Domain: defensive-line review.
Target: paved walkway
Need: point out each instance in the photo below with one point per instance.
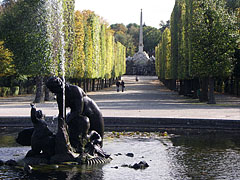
(145, 98)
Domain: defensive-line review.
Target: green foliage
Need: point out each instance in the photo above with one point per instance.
(163, 25)
(214, 33)
(68, 31)
(96, 28)
(121, 34)
(174, 28)
(88, 48)
(203, 39)
(7, 67)
(109, 53)
(5, 91)
(42, 34)
(233, 5)
(151, 38)
(119, 28)
(102, 63)
(163, 56)
(129, 37)
(15, 90)
(77, 67)
(166, 39)
(103, 57)
(24, 30)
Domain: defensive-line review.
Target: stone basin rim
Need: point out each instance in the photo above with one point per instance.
(142, 123)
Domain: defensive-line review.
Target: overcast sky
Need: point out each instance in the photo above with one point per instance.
(128, 11)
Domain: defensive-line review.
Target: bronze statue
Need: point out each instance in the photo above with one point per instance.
(79, 136)
(42, 139)
(78, 129)
(79, 103)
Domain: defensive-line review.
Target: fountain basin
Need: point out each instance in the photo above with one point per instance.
(198, 156)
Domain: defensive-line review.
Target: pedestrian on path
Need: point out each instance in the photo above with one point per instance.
(117, 84)
(123, 85)
(136, 78)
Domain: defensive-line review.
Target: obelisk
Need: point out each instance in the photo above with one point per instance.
(140, 49)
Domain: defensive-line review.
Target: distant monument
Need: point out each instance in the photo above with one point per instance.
(140, 63)
(140, 49)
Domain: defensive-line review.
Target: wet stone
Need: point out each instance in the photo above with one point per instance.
(116, 167)
(118, 154)
(130, 154)
(125, 165)
(11, 163)
(28, 169)
(140, 165)
(1, 163)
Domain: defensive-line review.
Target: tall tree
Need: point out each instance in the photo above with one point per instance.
(77, 67)
(151, 38)
(214, 33)
(24, 29)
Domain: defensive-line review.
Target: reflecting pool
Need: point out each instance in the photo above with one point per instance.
(201, 156)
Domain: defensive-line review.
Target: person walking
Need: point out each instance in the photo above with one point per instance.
(117, 84)
(123, 85)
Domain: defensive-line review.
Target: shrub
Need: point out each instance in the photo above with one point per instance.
(15, 90)
(5, 91)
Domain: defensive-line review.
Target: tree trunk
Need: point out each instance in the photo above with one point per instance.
(211, 91)
(173, 84)
(46, 90)
(87, 85)
(181, 90)
(105, 83)
(93, 84)
(39, 91)
(237, 84)
(203, 96)
(187, 87)
(84, 85)
(232, 85)
(196, 88)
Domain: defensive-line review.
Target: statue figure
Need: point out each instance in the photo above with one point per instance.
(94, 145)
(42, 139)
(78, 130)
(24, 137)
(79, 103)
(79, 136)
(92, 111)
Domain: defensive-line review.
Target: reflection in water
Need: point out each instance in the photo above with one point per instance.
(209, 156)
(67, 174)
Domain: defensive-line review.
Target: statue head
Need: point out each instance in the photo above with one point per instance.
(55, 84)
(39, 115)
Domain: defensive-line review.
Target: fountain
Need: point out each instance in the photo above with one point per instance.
(208, 156)
(79, 136)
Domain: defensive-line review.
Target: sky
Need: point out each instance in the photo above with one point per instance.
(128, 11)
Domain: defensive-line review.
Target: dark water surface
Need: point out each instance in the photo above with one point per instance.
(206, 156)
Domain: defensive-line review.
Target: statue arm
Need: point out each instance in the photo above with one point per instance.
(33, 113)
(60, 105)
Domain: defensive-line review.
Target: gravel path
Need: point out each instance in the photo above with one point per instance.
(145, 98)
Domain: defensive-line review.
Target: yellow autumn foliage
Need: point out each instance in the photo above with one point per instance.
(7, 67)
